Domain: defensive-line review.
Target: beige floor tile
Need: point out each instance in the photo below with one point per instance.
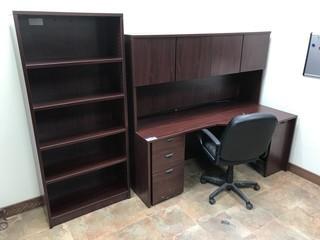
(144, 229)
(303, 222)
(195, 232)
(276, 231)
(223, 226)
(107, 220)
(280, 199)
(14, 230)
(196, 204)
(287, 207)
(245, 173)
(310, 204)
(171, 221)
(25, 224)
(251, 219)
(56, 233)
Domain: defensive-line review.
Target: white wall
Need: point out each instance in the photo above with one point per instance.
(284, 87)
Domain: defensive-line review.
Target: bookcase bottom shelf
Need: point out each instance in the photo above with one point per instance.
(80, 195)
(97, 200)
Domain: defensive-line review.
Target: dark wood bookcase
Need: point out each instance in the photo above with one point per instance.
(74, 73)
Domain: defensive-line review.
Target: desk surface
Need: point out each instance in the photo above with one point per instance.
(194, 119)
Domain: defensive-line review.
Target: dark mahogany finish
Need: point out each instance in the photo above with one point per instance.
(153, 60)
(167, 184)
(202, 57)
(222, 76)
(141, 167)
(167, 153)
(162, 98)
(279, 151)
(74, 74)
(169, 125)
(255, 51)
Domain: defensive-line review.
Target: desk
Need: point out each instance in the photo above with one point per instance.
(160, 144)
(202, 117)
(192, 75)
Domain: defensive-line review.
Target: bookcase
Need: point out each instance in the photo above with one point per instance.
(74, 74)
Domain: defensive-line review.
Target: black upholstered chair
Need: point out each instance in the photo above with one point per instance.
(245, 139)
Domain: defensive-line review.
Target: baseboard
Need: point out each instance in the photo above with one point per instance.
(38, 201)
(23, 206)
(304, 173)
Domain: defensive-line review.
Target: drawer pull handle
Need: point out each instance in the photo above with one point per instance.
(169, 155)
(169, 171)
(170, 139)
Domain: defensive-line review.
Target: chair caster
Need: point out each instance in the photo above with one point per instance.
(249, 205)
(202, 180)
(256, 187)
(212, 201)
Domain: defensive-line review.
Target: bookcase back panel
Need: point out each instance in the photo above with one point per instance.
(97, 185)
(59, 160)
(83, 119)
(74, 82)
(50, 37)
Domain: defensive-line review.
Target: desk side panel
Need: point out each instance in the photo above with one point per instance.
(140, 170)
(280, 147)
(279, 150)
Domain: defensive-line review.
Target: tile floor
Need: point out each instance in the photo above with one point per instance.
(286, 207)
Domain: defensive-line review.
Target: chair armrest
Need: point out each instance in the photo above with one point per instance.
(214, 140)
(212, 137)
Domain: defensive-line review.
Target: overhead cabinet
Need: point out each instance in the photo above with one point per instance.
(162, 59)
(202, 57)
(254, 51)
(154, 60)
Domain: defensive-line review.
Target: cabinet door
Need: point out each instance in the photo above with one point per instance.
(255, 51)
(202, 57)
(153, 60)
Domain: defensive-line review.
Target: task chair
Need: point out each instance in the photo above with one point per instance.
(245, 139)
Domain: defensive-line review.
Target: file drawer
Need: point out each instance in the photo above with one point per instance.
(167, 184)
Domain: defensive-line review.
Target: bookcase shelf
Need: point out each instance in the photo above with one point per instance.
(83, 169)
(90, 189)
(62, 63)
(74, 74)
(81, 158)
(80, 138)
(77, 101)
(75, 83)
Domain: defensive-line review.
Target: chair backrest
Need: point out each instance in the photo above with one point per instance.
(247, 137)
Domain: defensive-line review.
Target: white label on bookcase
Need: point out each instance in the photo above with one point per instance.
(35, 21)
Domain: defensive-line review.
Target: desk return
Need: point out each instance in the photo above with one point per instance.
(179, 84)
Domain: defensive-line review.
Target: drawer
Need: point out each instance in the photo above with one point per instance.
(167, 184)
(167, 153)
(172, 142)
